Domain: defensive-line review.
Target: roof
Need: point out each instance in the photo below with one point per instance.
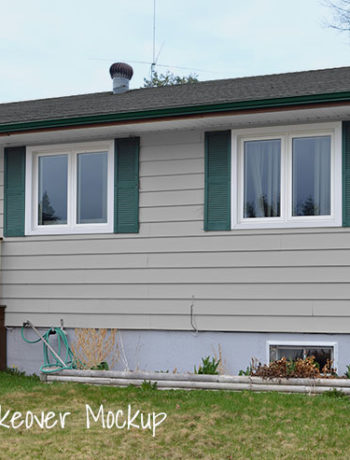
(325, 82)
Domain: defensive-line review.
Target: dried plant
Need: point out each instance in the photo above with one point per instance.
(218, 357)
(300, 368)
(93, 346)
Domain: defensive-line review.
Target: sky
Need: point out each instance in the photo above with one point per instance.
(52, 48)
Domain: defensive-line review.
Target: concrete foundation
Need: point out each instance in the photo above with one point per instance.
(182, 350)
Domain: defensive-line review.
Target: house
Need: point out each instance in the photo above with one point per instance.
(192, 218)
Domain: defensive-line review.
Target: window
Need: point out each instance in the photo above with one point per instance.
(286, 177)
(292, 352)
(69, 189)
(262, 178)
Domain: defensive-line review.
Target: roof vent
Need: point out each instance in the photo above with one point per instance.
(121, 74)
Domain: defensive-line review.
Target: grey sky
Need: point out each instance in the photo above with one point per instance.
(54, 48)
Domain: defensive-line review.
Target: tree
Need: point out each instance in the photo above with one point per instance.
(341, 14)
(46, 211)
(169, 79)
(309, 208)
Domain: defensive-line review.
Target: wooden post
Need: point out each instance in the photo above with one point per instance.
(2, 339)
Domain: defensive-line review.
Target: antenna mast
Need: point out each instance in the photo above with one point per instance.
(154, 40)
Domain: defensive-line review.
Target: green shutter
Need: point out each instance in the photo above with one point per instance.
(217, 209)
(14, 191)
(346, 174)
(126, 185)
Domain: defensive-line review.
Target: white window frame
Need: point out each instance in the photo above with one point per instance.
(305, 344)
(286, 134)
(31, 197)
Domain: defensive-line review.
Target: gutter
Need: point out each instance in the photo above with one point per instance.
(175, 112)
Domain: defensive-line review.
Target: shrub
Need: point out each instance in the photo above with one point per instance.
(248, 371)
(334, 393)
(93, 346)
(14, 371)
(347, 373)
(209, 366)
(103, 366)
(301, 368)
(147, 385)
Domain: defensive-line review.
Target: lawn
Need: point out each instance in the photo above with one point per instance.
(199, 424)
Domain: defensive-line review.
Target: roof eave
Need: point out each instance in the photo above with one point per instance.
(187, 111)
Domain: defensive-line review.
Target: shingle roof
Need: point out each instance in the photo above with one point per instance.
(312, 82)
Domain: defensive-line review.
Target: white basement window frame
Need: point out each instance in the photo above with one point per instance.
(286, 134)
(305, 345)
(71, 152)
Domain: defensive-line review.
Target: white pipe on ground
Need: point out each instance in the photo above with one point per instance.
(158, 376)
(291, 387)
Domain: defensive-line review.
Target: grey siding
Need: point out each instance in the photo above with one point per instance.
(254, 280)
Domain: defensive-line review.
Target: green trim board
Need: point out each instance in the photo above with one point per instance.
(176, 111)
(14, 191)
(126, 185)
(217, 200)
(346, 173)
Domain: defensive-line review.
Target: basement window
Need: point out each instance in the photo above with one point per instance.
(322, 353)
(69, 189)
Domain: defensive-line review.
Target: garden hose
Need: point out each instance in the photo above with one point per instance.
(52, 360)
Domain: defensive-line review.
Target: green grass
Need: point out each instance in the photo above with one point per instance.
(200, 424)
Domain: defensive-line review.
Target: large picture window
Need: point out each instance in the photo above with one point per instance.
(286, 178)
(70, 189)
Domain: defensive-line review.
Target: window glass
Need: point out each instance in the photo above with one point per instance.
(292, 353)
(322, 355)
(52, 208)
(92, 188)
(262, 178)
(311, 176)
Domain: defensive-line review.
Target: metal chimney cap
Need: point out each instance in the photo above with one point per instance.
(122, 69)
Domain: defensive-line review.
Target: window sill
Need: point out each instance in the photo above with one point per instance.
(54, 230)
(280, 223)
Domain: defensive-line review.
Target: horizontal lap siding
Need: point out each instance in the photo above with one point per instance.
(263, 280)
(181, 276)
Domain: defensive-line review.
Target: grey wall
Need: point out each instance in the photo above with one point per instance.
(178, 350)
(285, 280)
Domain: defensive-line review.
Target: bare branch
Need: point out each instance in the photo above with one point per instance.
(341, 14)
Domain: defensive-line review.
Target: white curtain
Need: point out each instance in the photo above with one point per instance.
(311, 176)
(262, 173)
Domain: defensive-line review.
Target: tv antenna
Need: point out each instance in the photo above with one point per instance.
(154, 57)
(154, 60)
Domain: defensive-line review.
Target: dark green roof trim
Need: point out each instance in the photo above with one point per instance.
(177, 111)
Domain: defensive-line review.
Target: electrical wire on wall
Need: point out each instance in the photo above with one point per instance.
(195, 330)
